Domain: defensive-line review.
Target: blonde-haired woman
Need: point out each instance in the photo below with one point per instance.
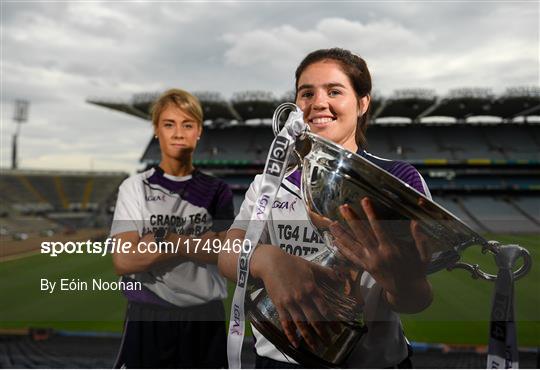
(176, 319)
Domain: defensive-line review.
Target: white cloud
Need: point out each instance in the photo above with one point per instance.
(283, 46)
(398, 56)
(58, 54)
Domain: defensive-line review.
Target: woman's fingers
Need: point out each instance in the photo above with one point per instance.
(289, 328)
(360, 227)
(374, 222)
(301, 322)
(354, 252)
(313, 310)
(292, 319)
(325, 277)
(319, 221)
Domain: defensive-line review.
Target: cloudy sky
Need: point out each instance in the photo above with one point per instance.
(57, 54)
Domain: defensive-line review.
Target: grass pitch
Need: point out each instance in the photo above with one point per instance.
(459, 314)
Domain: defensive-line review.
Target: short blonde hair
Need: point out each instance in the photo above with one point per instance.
(181, 99)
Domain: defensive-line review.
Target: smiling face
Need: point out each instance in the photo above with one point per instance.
(177, 133)
(330, 105)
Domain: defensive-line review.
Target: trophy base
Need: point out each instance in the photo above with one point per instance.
(302, 354)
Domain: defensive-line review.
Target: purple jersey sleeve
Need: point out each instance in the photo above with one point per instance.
(402, 170)
(409, 175)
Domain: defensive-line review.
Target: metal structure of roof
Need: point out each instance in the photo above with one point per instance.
(254, 104)
(413, 104)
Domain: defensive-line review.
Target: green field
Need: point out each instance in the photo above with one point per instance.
(459, 313)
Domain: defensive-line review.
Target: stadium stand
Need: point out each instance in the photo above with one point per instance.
(67, 350)
(497, 215)
(251, 143)
(57, 351)
(411, 142)
(529, 205)
(50, 188)
(28, 224)
(16, 188)
(456, 142)
(36, 201)
(479, 152)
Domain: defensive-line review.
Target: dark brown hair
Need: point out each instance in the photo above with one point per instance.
(355, 68)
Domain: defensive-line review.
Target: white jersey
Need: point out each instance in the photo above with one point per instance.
(189, 205)
(384, 344)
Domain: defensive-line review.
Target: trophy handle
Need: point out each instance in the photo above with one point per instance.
(295, 159)
(495, 248)
(527, 263)
(282, 108)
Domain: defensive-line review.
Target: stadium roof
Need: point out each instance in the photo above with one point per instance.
(405, 103)
(255, 104)
(412, 104)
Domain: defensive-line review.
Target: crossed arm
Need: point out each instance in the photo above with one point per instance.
(136, 261)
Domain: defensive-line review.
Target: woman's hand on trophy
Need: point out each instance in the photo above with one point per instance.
(320, 222)
(400, 268)
(291, 283)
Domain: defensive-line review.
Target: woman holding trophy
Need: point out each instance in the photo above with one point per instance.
(333, 89)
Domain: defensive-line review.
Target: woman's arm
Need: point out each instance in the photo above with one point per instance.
(228, 261)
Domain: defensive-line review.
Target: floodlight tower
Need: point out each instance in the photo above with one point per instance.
(20, 116)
